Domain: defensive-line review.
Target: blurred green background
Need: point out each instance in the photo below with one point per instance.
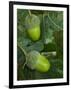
(51, 40)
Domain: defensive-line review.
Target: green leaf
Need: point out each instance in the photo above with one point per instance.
(56, 70)
(21, 14)
(38, 46)
(20, 57)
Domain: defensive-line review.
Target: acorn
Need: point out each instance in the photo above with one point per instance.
(32, 24)
(36, 61)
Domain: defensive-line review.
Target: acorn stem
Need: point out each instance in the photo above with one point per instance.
(29, 12)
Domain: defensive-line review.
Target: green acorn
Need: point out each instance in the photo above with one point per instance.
(33, 27)
(36, 61)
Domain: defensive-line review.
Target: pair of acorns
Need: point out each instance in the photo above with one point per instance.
(35, 60)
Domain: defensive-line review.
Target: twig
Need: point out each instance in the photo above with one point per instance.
(24, 64)
(49, 53)
(24, 53)
(22, 49)
(44, 33)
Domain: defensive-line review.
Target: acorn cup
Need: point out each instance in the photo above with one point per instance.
(32, 24)
(36, 61)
